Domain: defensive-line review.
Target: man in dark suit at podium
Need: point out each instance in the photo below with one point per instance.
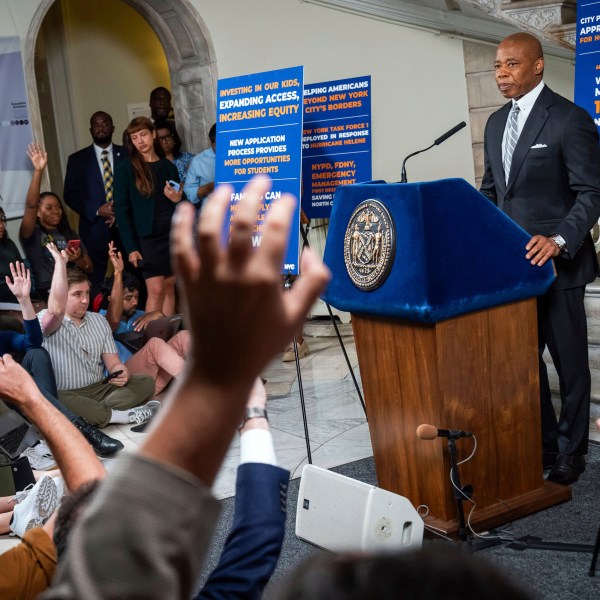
(88, 191)
(542, 168)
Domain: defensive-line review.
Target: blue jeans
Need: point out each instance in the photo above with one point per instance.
(38, 364)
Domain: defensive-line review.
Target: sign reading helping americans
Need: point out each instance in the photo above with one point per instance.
(336, 145)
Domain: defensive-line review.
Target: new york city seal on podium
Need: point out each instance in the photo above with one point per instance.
(369, 245)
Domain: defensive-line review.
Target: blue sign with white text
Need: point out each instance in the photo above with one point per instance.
(259, 130)
(336, 146)
(587, 58)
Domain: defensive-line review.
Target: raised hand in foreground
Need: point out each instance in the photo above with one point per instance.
(230, 293)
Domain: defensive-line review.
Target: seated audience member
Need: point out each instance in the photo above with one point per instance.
(44, 221)
(415, 575)
(81, 347)
(37, 361)
(157, 358)
(27, 569)
(251, 550)
(9, 253)
(225, 292)
(171, 143)
(200, 179)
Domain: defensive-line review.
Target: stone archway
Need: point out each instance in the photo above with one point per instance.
(190, 56)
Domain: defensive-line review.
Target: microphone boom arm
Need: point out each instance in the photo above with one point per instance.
(403, 178)
(437, 142)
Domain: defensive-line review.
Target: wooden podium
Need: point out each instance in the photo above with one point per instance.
(473, 369)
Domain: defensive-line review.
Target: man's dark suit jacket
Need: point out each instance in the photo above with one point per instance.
(253, 546)
(84, 193)
(554, 182)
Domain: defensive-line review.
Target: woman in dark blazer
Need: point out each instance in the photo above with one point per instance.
(144, 205)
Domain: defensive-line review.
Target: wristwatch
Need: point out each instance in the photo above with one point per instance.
(560, 241)
(253, 412)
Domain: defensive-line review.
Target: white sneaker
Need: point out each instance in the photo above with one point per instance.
(40, 457)
(20, 496)
(36, 508)
(144, 413)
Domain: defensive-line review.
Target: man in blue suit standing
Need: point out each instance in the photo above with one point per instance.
(89, 191)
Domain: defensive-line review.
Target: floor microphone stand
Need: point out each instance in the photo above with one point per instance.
(460, 494)
(458, 491)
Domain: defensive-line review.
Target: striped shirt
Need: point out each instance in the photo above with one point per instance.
(76, 351)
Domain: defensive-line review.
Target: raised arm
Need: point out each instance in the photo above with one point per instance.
(39, 160)
(57, 300)
(237, 287)
(20, 286)
(115, 303)
(226, 291)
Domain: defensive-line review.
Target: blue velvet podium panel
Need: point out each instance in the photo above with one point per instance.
(455, 253)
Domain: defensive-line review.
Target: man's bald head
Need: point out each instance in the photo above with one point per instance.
(519, 65)
(529, 43)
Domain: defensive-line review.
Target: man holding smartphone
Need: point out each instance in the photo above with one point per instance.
(81, 347)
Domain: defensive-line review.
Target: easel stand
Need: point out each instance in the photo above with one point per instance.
(306, 244)
(287, 284)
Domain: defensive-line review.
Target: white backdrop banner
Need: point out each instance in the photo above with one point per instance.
(15, 129)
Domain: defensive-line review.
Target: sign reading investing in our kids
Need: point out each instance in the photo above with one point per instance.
(259, 130)
(336, 147)
(587, 58)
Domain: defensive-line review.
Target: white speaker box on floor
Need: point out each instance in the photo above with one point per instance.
(341, 514)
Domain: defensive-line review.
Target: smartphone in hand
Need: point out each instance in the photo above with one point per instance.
(112, 376)
(176, 186)
(73, 245)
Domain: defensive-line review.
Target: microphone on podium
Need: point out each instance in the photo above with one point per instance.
(430, 432)
(449, 133)
(437, 142)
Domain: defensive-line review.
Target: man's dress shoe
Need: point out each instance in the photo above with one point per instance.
(567, 469)
(103, 445)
